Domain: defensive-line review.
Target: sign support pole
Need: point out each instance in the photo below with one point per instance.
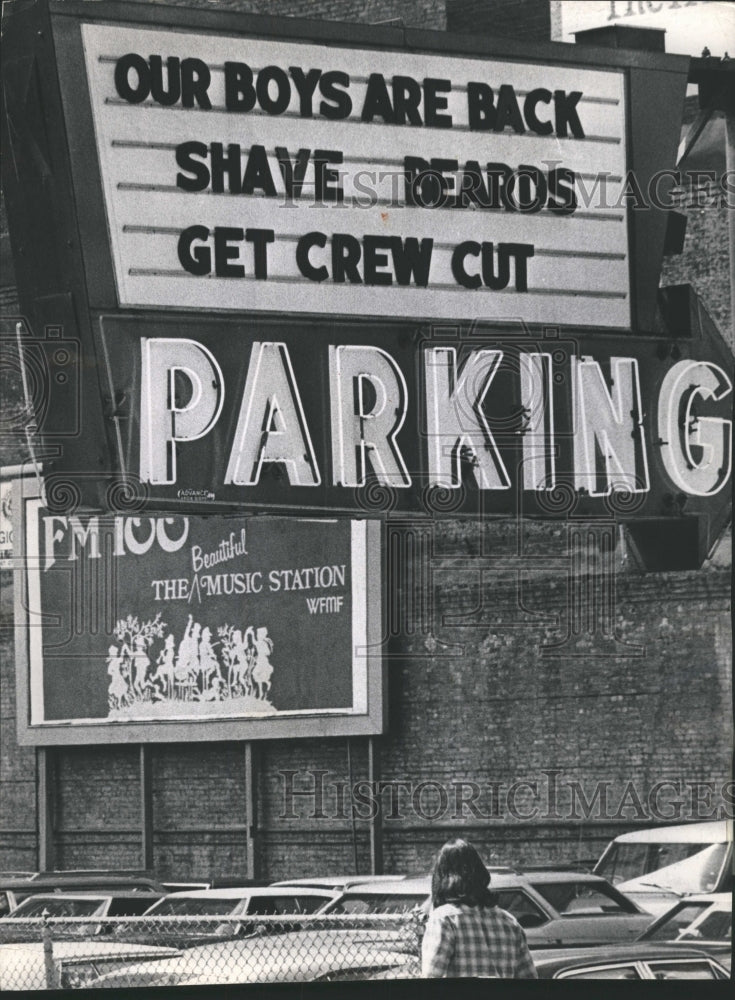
(376, 823)
(251, 806)
(146, 808)
(46, 845)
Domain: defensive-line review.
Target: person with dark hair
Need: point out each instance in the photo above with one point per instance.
(467, 933)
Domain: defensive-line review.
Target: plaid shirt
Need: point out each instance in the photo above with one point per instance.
(463, 940)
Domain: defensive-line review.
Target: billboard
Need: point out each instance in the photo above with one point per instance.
(261, 175)
(166, 628)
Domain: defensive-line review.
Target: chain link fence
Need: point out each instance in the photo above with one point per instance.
(130, 952)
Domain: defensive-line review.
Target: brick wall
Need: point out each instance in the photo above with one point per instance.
(413, 13)
(705, 259)
(18, 842)
(528, 19)
(503, 712)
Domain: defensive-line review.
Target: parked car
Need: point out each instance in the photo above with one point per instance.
(703, 920)
(183, 919)
(553, 907)
(19, 925)
(630, 961)
(655, 867)
(13, 891)
(338, 955)
(74, 963)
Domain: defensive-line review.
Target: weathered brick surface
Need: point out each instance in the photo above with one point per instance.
(528, 19)
(708, 270)
(99, 784)
(18, 847)
(413, 13)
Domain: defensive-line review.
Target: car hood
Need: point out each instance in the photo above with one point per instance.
(292, 957)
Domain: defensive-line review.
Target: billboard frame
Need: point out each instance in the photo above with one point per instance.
(316, 725)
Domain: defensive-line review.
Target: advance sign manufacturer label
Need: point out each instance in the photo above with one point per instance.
(250, 175)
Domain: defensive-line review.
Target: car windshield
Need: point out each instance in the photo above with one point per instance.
(195, 906)
(377, 903)
(576, 898)
(676, 921)
(59, 907)
(682, 867)
(526, 910)
(274, 905)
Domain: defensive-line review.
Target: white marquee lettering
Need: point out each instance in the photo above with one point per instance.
(163, 422)
(613, 423)
(183, 391)
(271, 426)
(365, 429)
(539, 468)
(704, 472)
(456, 425)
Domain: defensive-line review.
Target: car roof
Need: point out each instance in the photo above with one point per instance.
(232, 892)
(709, 900)
(73, 873)
(148, 898)
(714, 832)
(186, 886)
(408, 886)
(54, 896)
(547, 877)
(48, 882)
(633, 951)
(339, 881)
(416, 885)
(724, 898)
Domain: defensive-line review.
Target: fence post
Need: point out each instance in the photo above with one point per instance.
(48, 954)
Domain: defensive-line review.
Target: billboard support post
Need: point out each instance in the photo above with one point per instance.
(251, 808)
(146, 808)
(376, 821)
(46, 782)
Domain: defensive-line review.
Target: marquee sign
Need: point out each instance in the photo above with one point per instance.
(250, 174)
(453, 420)
(162, 628)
